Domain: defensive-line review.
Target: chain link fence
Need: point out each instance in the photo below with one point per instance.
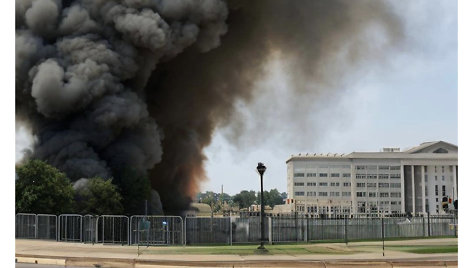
(173, 230)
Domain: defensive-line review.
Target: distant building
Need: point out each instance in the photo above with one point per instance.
(198, 209)
(373, 183)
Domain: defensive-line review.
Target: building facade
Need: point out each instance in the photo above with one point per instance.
(374, 183)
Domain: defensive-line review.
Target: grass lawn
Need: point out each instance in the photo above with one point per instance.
(426, 249)
(249, 249)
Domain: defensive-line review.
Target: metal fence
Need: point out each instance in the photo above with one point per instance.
(173, 230)
(156, 230)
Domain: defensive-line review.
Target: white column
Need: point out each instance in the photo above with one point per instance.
(413, 197)
(454, 181)
(423, 196)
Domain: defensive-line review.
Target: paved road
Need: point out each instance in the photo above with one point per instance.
(29, 265)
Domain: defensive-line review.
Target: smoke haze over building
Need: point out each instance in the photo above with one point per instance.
(104, 85)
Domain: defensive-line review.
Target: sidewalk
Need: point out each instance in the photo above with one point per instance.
(366, 254)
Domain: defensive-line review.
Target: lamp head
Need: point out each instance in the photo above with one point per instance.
(261, 168)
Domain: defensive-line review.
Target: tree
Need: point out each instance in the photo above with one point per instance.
(135, 188)
(41, 188)
(245, 199)
(99, 197)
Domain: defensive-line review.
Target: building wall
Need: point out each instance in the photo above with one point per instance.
(339, 186)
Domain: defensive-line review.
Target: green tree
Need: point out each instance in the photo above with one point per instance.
(135, 188)
(41, 188)
(99, 197)
(245, 198)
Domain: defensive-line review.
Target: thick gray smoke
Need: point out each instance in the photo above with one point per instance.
(144, 83)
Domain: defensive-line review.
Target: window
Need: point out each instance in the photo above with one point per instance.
(360, 176)
(322, 193)
(444, 190)
(426, 191)
(311, 184)
(425, 168)
(360, 184)
(360, 167)
(371, 176)
(346, 175)
(393, 202)
(347, 184)
(360, 194)
(395, 168)
(299, 184)
(299, 193)
(323, 184)
(372, 185)
(435, 169)
(298, 175)
(442, 169)
(436, 191)
(346, 193)
(436, 178)
(384, 167)
(383, 185)
(442, 178)
(396, 194)
(372, 194)
(383, 176)
(334, 184)
(334, 194)
(372, 167)
(323, 175)
(425, 178)
(310, 193)
(395, 185)
(383, 194)
(311, 174)
(335, 175)
(395, 176)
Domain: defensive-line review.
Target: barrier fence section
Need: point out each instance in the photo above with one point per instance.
(70, 227)
(156, 230)
(113, 229)
(47, 226)
(208, 230)
(25, 225)
(173, 230)
(90, 229)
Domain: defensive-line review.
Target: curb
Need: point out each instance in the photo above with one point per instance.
(135, 263)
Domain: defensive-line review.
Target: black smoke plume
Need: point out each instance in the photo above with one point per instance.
(144, 83)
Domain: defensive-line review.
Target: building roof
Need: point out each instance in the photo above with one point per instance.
(426, 150)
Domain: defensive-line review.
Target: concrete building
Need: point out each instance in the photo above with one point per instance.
(374, 183)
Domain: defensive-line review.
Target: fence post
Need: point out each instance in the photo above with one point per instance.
(231, 231)
(429, 226)
(306, 229)
(270, 230)
(36, 226)
(345, 230)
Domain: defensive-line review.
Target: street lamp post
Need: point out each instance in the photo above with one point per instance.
(261, 169)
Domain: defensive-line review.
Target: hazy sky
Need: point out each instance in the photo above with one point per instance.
(402, 101)
(406, 98)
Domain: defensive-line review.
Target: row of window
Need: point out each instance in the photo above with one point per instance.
(344, 184)
(310, 193)
(322, 175)
(348, 194)
(436, 169)
(348, 184)
(374, 194)
(380, 176)
(379, 167)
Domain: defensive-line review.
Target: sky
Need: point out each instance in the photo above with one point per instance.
(406, 99)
